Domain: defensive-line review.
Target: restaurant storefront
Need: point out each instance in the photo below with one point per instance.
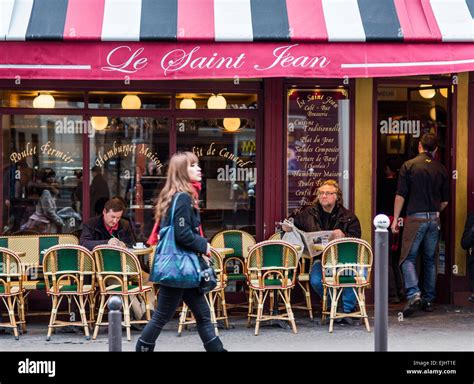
(273, 103)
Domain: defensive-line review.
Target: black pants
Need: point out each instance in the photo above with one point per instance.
(168, 301)
(470, 269)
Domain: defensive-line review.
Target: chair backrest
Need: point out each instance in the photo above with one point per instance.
(238, 240)
(116, 266)
(10, 271)
(218, 264)
(34, 246)
(272, 260)
(276, 236)
(347, 258)
(68, 267)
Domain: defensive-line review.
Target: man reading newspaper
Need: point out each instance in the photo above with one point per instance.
(328, 214)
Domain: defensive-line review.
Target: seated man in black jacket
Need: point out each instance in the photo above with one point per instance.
(108, 228)
(328, 214)
(467, 243)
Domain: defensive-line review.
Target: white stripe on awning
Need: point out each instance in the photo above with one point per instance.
(121, 20)
(233, 20)
(6, 9)
(454, 20)
(19, 20)
(343, 21)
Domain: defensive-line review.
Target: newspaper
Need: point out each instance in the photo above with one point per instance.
(310, 238)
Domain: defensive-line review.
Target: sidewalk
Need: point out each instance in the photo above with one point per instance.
(446, 329)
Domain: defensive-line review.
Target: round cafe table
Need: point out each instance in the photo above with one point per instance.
(225, 251)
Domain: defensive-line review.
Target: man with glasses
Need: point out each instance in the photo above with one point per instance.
(328, 214)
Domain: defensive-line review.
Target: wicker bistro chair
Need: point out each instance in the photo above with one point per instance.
(271, 266)
(235, 263)
(305, 263)
(34, 247)
(119, 273)
(346, 264)
(69, 272)
(215, 299)
(11, 290)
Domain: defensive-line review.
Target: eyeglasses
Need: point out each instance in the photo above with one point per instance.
(324, 193)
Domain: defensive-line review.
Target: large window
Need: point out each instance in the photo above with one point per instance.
(50, 185)
(42, 175)
(318, 127)
(128, 159)
(227, 152)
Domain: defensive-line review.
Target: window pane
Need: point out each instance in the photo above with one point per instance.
(137, 100)
(131, 156)
(318, 143)
(26, 99)
(216, 101)
(227, 159)
(42, 178)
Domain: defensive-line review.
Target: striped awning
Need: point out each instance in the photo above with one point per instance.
(238, 20)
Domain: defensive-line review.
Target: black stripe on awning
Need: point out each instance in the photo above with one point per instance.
(470, 5)
(159, 20)
(47, 20)
(270, 20)
(380, 20)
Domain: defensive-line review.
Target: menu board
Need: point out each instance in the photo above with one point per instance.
(318, 138)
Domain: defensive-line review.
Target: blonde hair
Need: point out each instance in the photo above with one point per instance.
(334, 184)
(177, 181)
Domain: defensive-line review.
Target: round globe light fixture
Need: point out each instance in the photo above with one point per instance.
(187, 103)
(217, 102)
(44, 101)
(131, 102)
(231, 124)
(433, 113)
(444, 92)
(427, 93)
(99, 122)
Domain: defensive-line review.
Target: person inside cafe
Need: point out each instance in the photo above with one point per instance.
(327, 213)
(98, 191)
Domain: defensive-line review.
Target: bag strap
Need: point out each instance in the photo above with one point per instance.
(175, 199)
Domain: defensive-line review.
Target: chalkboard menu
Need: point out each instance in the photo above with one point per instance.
(318, 142)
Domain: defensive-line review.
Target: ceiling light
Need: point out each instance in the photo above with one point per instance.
(427, 93)
(231, 124)
(187, 104)
(217, 102)
(131, 102)
(99, 122)
(44, 101)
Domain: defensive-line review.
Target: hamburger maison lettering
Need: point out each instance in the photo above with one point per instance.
(125, 150)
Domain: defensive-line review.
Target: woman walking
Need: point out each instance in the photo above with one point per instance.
(184, 175)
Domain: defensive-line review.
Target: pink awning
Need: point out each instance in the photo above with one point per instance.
(156, 61)
(190, 39)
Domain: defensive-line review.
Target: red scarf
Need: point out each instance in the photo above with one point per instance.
(197, 188)
(111, 229)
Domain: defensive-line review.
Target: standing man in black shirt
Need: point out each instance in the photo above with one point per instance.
(423, 182)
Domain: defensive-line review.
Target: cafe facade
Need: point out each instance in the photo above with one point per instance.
(274, 97)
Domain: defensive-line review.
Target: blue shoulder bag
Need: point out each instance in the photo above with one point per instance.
(174, 266)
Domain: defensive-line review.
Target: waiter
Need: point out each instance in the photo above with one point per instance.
(423, 183)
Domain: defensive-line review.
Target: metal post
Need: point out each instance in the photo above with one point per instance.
(381, 223)
(115, 324)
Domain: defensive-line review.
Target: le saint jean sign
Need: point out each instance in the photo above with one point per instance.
(90, 60)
